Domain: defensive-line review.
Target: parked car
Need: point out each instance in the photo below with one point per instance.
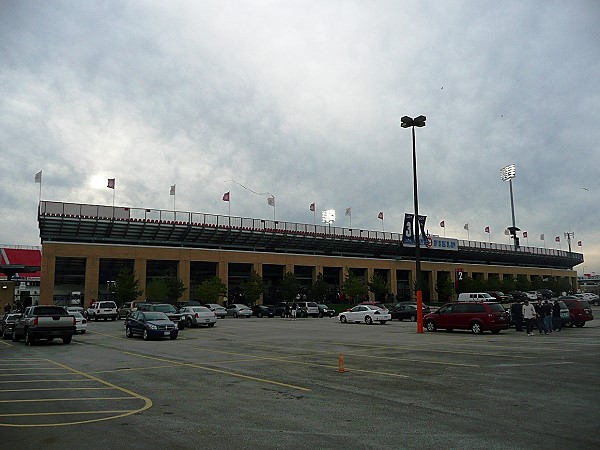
(475, 316)
(475, 297)
(78, 309)
(534, 295)
(590, 297)
(325, 310)
(80, 322)
(102, 310)
(219, 310)
(7, 324)
(198, 315)
(365, 313)
(500, 296)
(408, 311)
(166, 308)
(279, 309)
(579, 309)
(546, 293)
(306, 309)
(150, 324)
(379, 305)
(565, 314)
(44, 322)
(519, 295)
(238, 310)
(262, 311)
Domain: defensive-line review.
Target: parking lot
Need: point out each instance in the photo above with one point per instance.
(276, 383)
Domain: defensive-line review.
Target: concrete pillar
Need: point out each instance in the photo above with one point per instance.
(223, 274)
(393, 281)
(183, 272)
(92, 274)
(139, 273)
(47, 277)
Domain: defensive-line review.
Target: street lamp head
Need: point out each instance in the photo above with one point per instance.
(508, 172)
(406, 121)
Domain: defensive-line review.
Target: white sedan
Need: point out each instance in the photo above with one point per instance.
(80, 322)
(365, 313)
(198, 315)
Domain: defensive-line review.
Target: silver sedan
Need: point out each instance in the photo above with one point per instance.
(195, 316)
(239, 310)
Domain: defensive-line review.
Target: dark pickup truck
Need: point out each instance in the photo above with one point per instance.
(44, 322)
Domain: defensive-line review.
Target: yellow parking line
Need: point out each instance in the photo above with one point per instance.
(133, 369)
(225, 372)
(65, 413)
(58, 389)
(389, 374)
(75, 399)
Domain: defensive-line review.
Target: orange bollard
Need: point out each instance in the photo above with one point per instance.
(341, 364)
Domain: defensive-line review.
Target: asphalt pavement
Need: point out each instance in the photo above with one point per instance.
(274, 383)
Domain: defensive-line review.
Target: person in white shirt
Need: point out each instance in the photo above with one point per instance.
(529, 315)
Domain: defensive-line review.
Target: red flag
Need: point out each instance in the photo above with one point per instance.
(557, 238)
(442, 224)
(579, 244)
(111, 183)
(226, 197)
(380, 215)
(487, 229)
(312, 207)
(524, 234)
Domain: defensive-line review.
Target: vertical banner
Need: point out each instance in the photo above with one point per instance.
(422, 220)
(408, 235)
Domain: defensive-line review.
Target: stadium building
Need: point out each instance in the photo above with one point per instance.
(84, 247)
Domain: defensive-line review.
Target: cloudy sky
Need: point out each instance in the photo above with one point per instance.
(302, 99)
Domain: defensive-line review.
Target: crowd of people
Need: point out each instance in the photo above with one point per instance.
(543, 314)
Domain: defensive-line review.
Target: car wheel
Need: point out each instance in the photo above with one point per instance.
(282, 315)
(382, 322)
(128, 332)
(14, 336)
(83, 331)
(430, 325)
(96, 318)
(413, 318)
(495, 331)
(259, 315)
(5, 336)
(476, 328)
(145, 335)
(449, 330)
(210, 325)
(189, 322)
(235, 314)
(173, 337)
(343, 319)
(67, 339)
(579, 324)
(29, 339)
(368, 320)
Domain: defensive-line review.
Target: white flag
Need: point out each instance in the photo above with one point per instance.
(38, 177)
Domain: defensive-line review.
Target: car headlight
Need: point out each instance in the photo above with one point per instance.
(152, 326)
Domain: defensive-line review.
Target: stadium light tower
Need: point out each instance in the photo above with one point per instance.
(508, 173)
(406, 122)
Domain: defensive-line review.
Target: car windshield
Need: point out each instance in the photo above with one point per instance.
(497, 307)
(165, 308)
(201, 309)
(155, 315)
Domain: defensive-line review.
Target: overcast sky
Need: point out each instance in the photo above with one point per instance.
(302, 99)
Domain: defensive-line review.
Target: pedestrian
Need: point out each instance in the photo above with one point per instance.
(556, 319)
(294, 308)
(288, 311)
(7, 308)
(516, 312)
(540, 316)
(529, 315)
(547, 308)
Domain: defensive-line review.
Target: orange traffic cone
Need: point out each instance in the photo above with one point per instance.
(341, 364)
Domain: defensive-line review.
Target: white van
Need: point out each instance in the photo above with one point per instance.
(475, 297)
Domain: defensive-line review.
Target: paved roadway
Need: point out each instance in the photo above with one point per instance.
(275, 383)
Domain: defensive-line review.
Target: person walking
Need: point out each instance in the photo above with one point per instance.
(529, 315)
(294, 308)
(556, 319)
(516, 312)
(540, 316)
(547, 308)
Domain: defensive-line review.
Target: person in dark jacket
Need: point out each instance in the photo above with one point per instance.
(539, 310)
(556, 319)
(516, 312)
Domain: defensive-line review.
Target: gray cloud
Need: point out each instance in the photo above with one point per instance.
(303, 99)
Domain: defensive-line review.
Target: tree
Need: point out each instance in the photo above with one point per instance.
(157, 290)
(255, 287)
(354, 286)
(378, 286)
(127, 287)
(444, 287)
(290, 286)
(211, 290)
(175, 289)
(318, 291)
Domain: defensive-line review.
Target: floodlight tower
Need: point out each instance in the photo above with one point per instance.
(508, 173)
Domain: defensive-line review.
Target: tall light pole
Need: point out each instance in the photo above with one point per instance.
(406, 122)
(508, 173)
